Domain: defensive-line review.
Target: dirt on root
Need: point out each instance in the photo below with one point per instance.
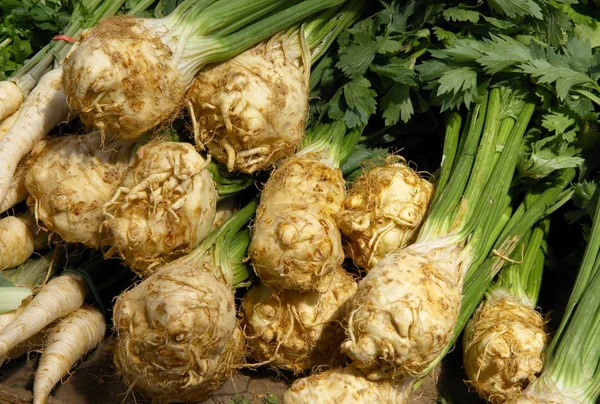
(95, 382)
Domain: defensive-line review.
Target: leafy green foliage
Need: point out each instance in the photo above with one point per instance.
(556, 149)
(26, 26)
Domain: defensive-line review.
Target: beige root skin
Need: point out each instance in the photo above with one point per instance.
(504, 345)
(383, 211)
(296, 243)
(347, 385)
(251, 109)
(164, 206)
(404, 312)
(66, 343)
(294, 330)
(7, 123)
(59, 297)
(121, 78)
(71, 180)
(17, 242)
(11, 98)
(177, 335)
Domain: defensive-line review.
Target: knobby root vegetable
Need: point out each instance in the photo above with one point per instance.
(251, 109)
(19, 237)
(131, 85)
(58, 298)
(180, 342)
(181, 309)
(66, 343)
(296, 243)
(347, 385)
(42, 110)
(298, 330)
(11, 98)
(72, 179)
(164, 206)
(504, 345)
(404, 311)
(383, 211)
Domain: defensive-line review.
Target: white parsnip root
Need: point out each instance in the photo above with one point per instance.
(44, 108)
(58, 298)
(66, 343)
(19, 237)
(11, 98)
(347, 385)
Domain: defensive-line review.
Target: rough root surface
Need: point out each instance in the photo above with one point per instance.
(298, 330)
(404, 313)
(251, 110)
(504, 345)
(178, 338)
(70, 181)
(347, 385)
(296, 243)
(164, 206)
(122, 78)
(383, 211)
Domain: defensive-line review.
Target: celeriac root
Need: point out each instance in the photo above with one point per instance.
(296, 243)
(347, 385)
(504, 344)
(252, 108)
(70, 180)
(298, 330)
(383, 211)
(404, 312)
(19, 237)
(164, 206)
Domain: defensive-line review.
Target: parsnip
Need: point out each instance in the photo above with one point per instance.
(58, 298)
(42, 110)
(67, 342)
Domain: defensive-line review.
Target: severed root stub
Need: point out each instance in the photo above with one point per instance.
(165, 205)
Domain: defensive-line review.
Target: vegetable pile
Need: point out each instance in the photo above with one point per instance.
(340, 190)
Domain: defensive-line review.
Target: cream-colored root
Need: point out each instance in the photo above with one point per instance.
(44, 108)
(11, 98)
(58, 298)
(347, 385)
(66, 343)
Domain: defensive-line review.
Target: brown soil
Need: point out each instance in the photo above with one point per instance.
(94, 381)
